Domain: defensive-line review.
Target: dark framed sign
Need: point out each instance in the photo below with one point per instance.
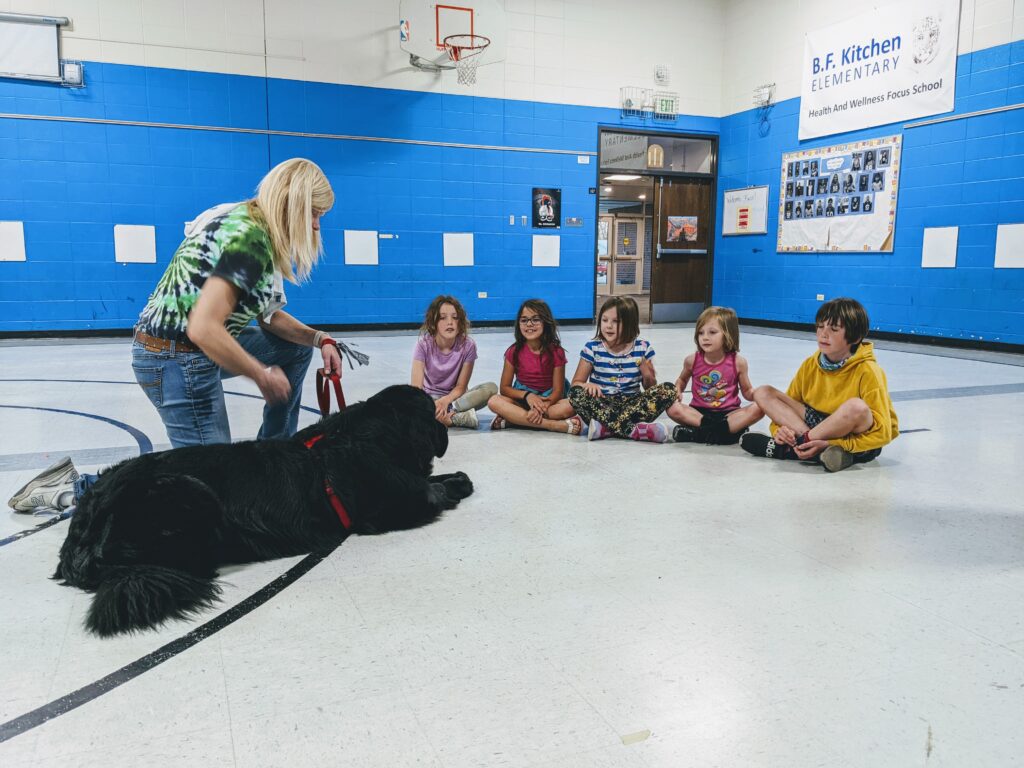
(547, 208)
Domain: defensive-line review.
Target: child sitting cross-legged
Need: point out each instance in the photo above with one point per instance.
(442, 364)
(532, 393)
(718, 374)
(837, 409)
(614, 365)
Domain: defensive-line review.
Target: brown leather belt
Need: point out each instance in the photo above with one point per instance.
(156, 344)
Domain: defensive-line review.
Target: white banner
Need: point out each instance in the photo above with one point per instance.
(840, 198)
(895, 63)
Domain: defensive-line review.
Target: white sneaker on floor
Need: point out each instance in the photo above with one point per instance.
(465, 419)
(45, 489)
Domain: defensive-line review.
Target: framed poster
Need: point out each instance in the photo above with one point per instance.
(840, 198)
(547, 208)
(745, 211)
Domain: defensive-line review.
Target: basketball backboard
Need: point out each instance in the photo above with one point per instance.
(424, 24)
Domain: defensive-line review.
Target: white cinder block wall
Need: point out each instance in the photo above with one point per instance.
(560, 51)
(764, 39)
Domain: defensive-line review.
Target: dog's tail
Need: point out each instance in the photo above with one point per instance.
(144, 596)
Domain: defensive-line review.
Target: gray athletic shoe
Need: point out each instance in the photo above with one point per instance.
(45, 489)
(465, 419)
(836, 459)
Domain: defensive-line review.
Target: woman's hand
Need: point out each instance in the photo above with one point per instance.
(332, 359)
(273, 385)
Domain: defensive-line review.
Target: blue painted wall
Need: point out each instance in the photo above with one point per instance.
(70, 183)
(967, 173)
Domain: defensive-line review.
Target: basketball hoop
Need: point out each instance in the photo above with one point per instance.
(463, 50)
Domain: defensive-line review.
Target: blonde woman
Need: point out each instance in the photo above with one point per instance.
(228, 271)
(196, 330)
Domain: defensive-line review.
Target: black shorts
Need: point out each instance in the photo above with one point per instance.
(714, 414)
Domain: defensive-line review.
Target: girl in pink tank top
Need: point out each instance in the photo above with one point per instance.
(718, 374)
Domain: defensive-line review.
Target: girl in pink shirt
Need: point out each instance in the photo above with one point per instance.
(718, 374)
(532, 391)
(442, 364)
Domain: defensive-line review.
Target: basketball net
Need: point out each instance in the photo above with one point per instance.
(463, 51)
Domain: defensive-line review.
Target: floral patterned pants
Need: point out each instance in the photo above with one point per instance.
(621, 412)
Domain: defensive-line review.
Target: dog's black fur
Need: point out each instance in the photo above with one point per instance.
(149, 536)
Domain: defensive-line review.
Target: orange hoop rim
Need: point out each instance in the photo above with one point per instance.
(458, 51)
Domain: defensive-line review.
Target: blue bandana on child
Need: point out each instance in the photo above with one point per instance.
(828, 365)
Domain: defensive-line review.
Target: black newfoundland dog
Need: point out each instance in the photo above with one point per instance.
(149, 536)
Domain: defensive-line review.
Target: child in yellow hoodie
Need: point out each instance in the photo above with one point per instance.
(837, 408)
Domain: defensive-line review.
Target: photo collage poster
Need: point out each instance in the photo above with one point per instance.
(840, 198)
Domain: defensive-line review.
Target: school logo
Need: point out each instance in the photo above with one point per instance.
(926, 39)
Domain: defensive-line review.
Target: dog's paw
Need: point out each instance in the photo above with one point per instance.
(459, 486)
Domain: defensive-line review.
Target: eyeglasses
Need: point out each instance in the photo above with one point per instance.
(530, 321)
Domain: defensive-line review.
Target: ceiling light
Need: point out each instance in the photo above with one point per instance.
(621, 177)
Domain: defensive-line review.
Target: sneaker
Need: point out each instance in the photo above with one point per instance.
(762, 445)
(598, 431)
(651, 431)
(47, 488)
(465, 419)
(836, 459)
(684, 434)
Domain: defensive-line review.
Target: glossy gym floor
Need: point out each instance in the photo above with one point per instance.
(593, 605)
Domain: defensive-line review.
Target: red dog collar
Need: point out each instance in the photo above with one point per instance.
(332, 497)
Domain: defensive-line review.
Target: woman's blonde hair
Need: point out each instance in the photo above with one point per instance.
(284, 202)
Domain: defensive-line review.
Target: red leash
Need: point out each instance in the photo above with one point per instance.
(323, 396)
(323, 392)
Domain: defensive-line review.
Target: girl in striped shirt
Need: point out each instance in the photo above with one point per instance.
(615, 387)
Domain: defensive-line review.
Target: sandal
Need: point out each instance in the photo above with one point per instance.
(574, 426)
(498, 423)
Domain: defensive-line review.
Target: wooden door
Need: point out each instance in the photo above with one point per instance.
(681, 275)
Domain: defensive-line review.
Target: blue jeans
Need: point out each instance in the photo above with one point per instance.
(187, 391)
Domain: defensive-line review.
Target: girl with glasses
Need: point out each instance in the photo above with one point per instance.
(615, 387)
(532, 391)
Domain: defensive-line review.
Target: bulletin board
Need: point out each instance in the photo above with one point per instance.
(840, 198)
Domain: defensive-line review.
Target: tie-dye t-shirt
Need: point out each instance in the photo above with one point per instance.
(232, 246)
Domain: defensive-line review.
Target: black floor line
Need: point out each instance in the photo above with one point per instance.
(141, 439)
(36, 529)
(84, 695)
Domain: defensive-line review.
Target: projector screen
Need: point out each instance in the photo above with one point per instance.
(29, 50)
